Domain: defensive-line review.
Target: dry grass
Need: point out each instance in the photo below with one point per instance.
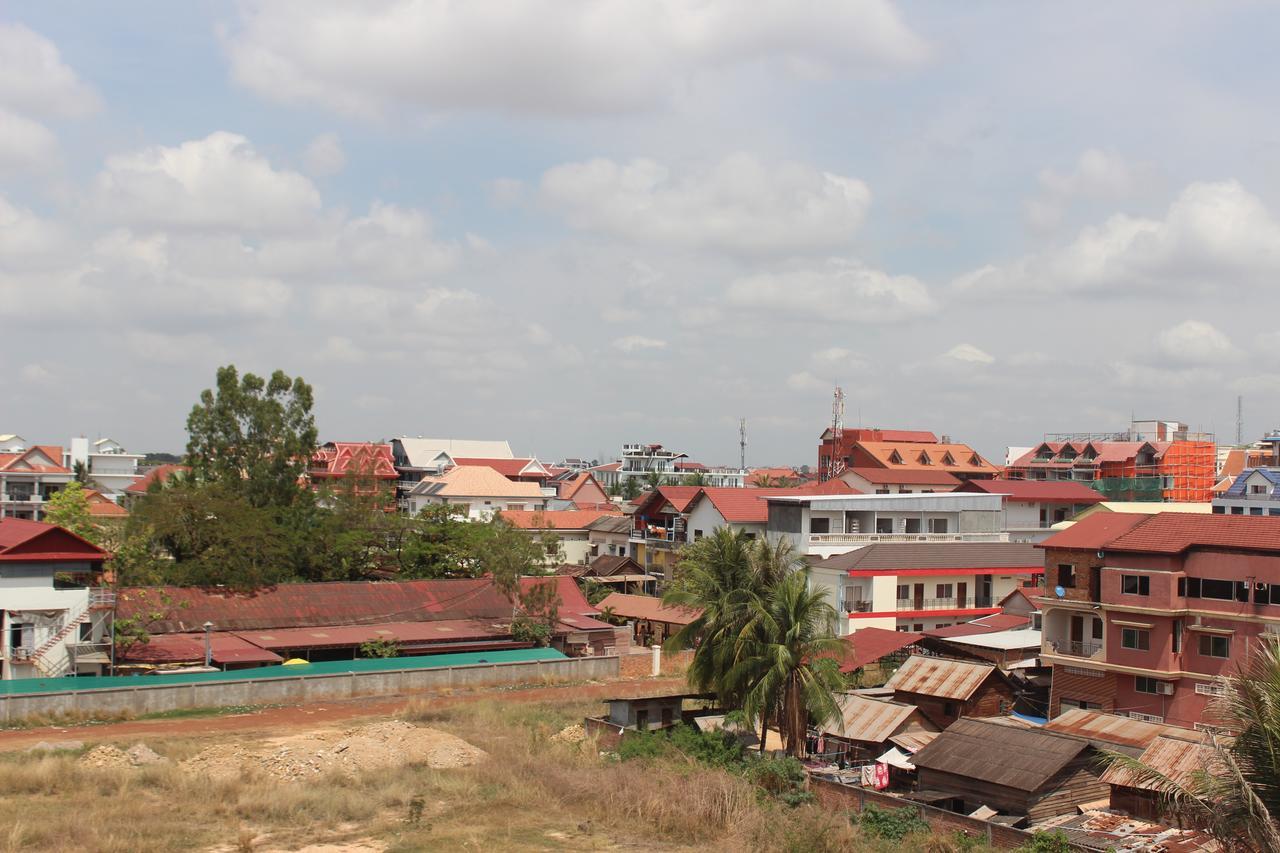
(533, 794)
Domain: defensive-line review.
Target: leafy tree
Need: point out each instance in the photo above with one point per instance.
(253, 436)
(1236, 793)
(69, 508)
(697, 478)
(132, 631)
(630, 489)
(652, 480)
(379, 649)
(595, 591)
(81, 472)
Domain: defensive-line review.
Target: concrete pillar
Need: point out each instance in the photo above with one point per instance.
(657, 660)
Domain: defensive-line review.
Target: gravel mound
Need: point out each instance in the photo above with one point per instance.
(570, 734)
(104, 757)
(140, 754)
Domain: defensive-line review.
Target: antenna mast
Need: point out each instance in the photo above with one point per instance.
(742, 444)
(835, 465)
(1240, 419)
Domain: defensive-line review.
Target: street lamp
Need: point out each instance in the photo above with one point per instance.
(208, 652)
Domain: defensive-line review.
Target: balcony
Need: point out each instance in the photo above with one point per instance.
(101, 598)
(847, 607)
(953, 603)
(870, 538)
(21, 498)
(1076, 648)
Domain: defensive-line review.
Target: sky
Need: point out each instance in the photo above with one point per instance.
(575, 224)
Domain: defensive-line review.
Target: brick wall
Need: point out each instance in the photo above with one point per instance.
(837, 797)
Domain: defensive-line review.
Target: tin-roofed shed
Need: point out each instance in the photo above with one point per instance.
(945, 690)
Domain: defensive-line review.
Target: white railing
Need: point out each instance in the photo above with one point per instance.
(1076, 648)
(862, 538)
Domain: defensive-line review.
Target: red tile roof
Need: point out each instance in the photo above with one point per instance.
(986, 625)
(27, 460)
(337, 458)
(161, 473)
(1092, 532)
(648, 608)
(868, 645)
(101, 506)
(678, 496)
(561, 519)
(966, 459)
(747, 506)
(1175, 532)
(907, 477)
(189, 648)
(36, 541)
(1036, 491)
(506, 467)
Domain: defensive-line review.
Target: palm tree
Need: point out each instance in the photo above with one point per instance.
(653, 480)
(1236, 793)
(789, 665)
(697, 478)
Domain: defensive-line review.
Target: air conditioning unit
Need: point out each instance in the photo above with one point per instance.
(1164, 688)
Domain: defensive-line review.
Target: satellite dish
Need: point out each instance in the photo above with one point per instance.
(1059, 591)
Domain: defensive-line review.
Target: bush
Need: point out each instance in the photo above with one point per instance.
(891, 824)
(643, 745)
(784, 778)
(1047, 842)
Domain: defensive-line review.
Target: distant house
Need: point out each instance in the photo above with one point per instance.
(895, 481)
(868, 727)
(526, 470)
(102, 507)
(900, 450)
(482, 491)
(946, 690)
(1255, 491)
(653, 622)
(610, 535)
(367, 465)
(158, 476)
(419, 457)
(1032, 507)
(571, 529)
(746, 510)
(1176, 758)
(29, 476)
(583, 491)
(660, 526)
(1014, 771)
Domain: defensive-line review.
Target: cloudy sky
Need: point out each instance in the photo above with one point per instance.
(574, 224)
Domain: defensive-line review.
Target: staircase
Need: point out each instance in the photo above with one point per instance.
(55, 668)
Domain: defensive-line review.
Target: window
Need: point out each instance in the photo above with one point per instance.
(1219, 510)
(903, 628)
(1218, 590)
(884, 525)
(1096, 632)
(944, 590)
(1066, 575)
(1135, 585)
(1136, 639)
(819, 525)
(1177, 636)
(904, 591)
(697, 533)
(882, 491)
(1143, 684)
(1266, 593)
(1255, 510)
(1214, 646)
(1237, 510)
(949, 709)
(913, 525)
(1258, 488)
(918, 627)
(937, 525)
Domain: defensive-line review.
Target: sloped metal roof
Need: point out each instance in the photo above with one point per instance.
(946, 679)
(1022, 759)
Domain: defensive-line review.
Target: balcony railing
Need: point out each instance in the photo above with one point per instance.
(22, 653)
(101, 597)
(953, 603)
(1075, 648)
(855, 606)
(863, 538)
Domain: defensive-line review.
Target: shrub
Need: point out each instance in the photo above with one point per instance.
(1047, 842)
(891, 824)
(782, 777)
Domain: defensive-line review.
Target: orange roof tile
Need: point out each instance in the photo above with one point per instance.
(1175, 532)
(646, 607)
(910, 454)
(1092, 532)
(560, 519)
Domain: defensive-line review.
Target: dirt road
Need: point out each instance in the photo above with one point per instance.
(309, 716)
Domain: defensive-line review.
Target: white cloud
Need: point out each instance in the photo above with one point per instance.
(805, 381)
(840, 292)
(35, 81)
(545, 56)
(738, 205)
(35, 373)
(968, 354)
(1097, 175)
(220, 183)
(1213, 234)
(24, 144)
(324, 156)
(1195, 342)
(633, 343)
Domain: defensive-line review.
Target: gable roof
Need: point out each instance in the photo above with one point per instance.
(560, 519)
(612, 523)
(747, 506)
(568, 488)
(1172, 757)
(1238, 486)
(646, 607)
(475, 482)
(930, 476)
(527, 467)
(1114, 728)
(935, 555)
(336, 459)
(872, 720)
(868, 645)
(160, 473)
(940, 677)
(607, 565)
(680, 497)
(1175, 532)
(1092, 532)
(35, 541)
(1027, 758)
(1036, 491)
(967, 460)
(101, 506)
(40, 458)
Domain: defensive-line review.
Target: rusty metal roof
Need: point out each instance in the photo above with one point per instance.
(1022, 759)
(946, 679)
(1175, 758)
(914, 741)
(870, 720)
(1114, 728)
(305, 605)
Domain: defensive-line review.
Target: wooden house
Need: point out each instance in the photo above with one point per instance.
(945, 690)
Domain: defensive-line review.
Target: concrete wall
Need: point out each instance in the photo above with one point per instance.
(149, 699)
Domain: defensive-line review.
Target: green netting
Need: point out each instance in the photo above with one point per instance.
(1130, 488)
(94, 682)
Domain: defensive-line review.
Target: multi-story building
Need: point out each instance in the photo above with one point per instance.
(55, 617)
(371, 465)
(1142, 613)
(29, 476)
(660, 527)
(825, 525)
(1256, 491)
(899, 450)
(105, 462)
(1151, 461)
(923, 586)
(1032, 507)
(641, 462)
(478, 491)
(420, 457)
(899, 481)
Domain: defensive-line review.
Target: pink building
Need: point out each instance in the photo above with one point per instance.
(1143, 612)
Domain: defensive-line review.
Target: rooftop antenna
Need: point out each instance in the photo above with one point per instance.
(835, 466)
(1240, 419)
(742, 444)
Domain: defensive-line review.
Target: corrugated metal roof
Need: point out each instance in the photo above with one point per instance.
(947, 679)
(1022, 759)
(870, 720)
(914, 741)
(185, 648)
(868, 645)
(936, 555)
(647, 607)
(1113, 728)
(1175, 758)
(445, 630)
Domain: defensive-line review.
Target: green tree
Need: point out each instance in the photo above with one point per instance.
(69, 508)
(253, 436)
(379, 649)
(697, 478)
(630, 489)
(789, 663)
(652, 480)
(1235, 794)
(438, 542)
(80, 472)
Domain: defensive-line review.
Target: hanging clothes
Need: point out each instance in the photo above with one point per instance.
(868, 776)
(881, 776)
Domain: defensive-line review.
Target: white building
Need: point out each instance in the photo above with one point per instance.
(825, 525)
(109, 466)
(54, 620)
(29, 476)
(483, 491)
(416, 458)
(640, 461)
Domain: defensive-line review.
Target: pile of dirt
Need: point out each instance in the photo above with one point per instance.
(570, 734)
(140, 754)
(105, 757)
(314, 753)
